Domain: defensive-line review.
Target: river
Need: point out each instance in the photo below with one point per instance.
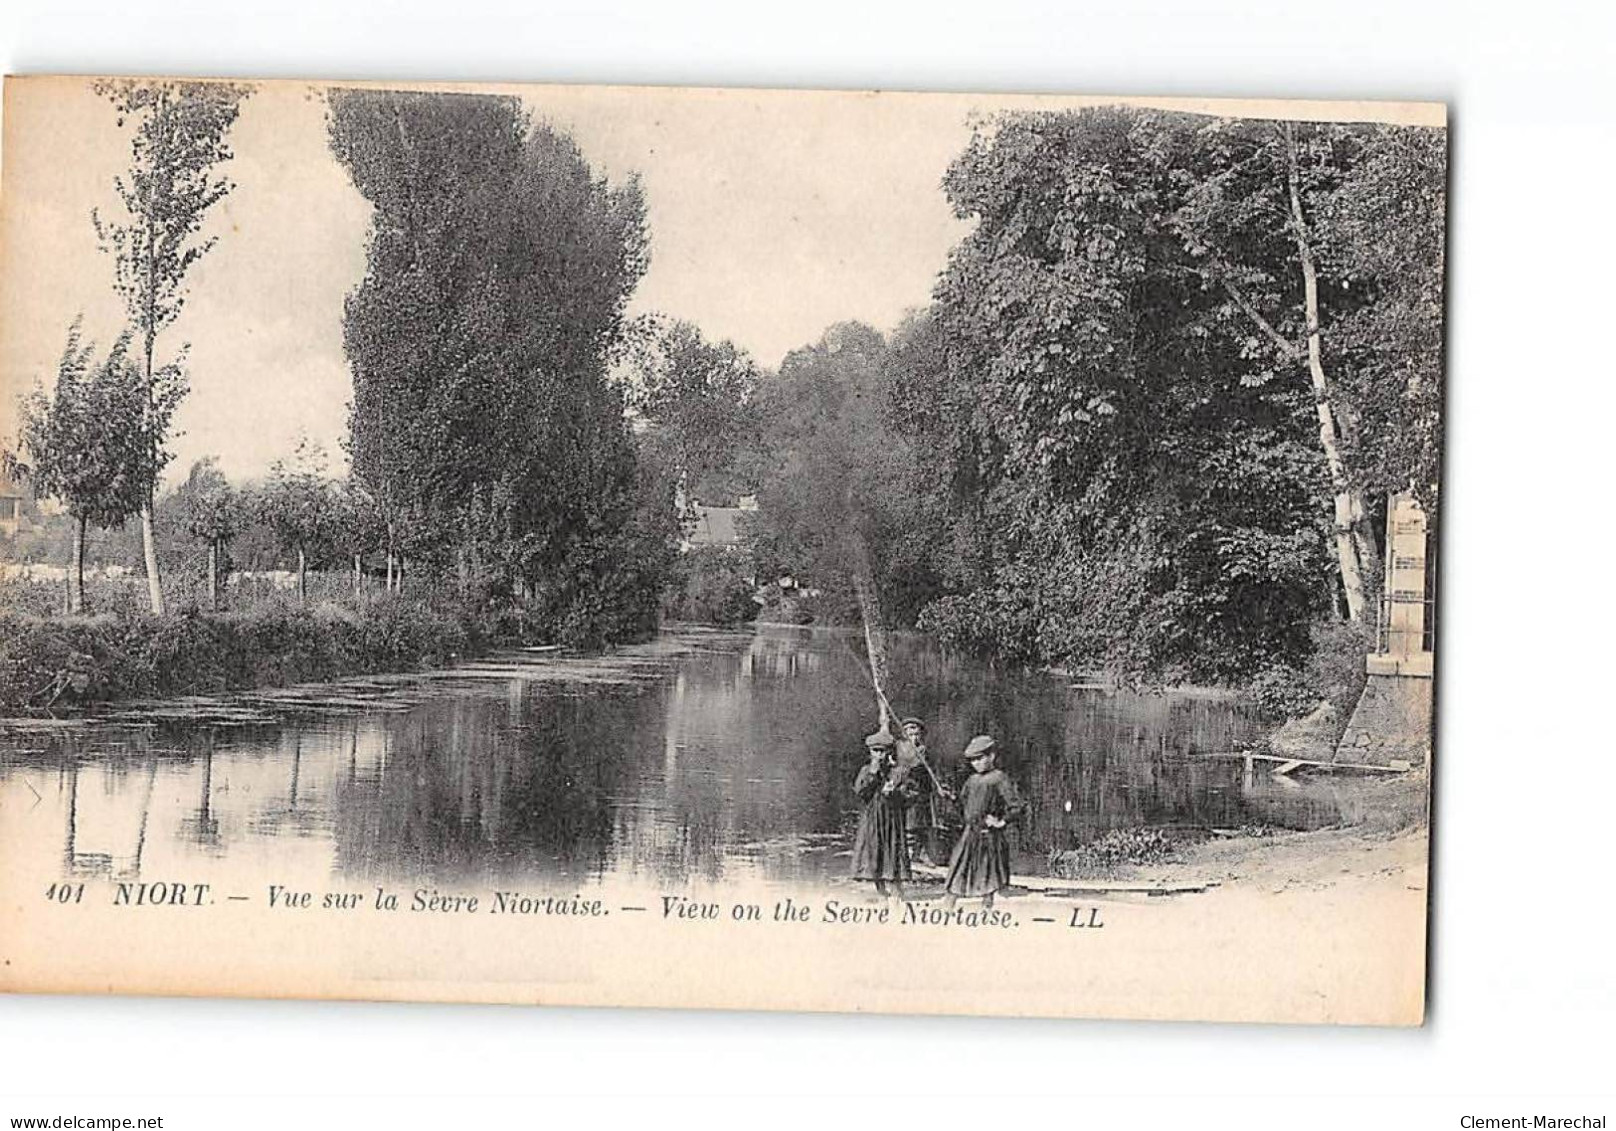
(701, 756)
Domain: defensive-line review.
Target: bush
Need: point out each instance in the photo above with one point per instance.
(995, 624)
(1334, 671)
(781, 609)
(1280, 691)
(36, 598)
(713, 586)
(1117, 849)
(55, 662)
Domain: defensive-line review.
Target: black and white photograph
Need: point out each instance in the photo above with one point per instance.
(727, 565)
(967, 547)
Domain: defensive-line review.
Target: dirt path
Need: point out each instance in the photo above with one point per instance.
(1303, 860)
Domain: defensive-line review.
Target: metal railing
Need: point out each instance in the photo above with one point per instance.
(1404, 638)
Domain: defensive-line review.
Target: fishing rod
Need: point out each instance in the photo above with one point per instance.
(893, 713)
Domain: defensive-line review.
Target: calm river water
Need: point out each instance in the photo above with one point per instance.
(700, 756)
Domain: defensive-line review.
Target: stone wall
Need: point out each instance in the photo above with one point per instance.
(1391, 724)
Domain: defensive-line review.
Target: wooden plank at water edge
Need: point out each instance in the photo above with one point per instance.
(1399, 766)
(1087, 887)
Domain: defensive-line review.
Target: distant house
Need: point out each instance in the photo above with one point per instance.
(718, 526)
(13, 507)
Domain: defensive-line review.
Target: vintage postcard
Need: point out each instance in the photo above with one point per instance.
(742, 549)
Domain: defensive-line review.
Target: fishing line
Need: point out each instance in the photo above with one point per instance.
(892, 713)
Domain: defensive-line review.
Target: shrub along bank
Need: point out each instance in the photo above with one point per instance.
(58, 663)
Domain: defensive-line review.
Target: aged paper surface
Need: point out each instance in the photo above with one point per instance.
(524, 810)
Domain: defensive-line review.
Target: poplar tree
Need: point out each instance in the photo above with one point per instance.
(483, 424)
(177, 136)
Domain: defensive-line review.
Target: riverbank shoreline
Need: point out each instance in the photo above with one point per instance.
(1317, 860)
(380, 691)
(1081, 679)
(1385, 830)
(52, 666)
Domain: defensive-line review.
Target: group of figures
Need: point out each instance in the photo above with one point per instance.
(905, 815)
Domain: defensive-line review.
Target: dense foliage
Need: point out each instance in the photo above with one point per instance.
(57, 663)
(713, 585)
(1115, 382)
(88, 443)
(1147, 423)
(697, 402)
(836, 479)
(483, 425)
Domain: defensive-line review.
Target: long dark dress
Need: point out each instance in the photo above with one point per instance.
(924, 815)
(981, 861)
(921, 815)
(881, 851)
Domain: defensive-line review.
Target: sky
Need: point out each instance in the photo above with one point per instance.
(772, 215)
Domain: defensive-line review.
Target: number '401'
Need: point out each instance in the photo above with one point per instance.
(65, 893)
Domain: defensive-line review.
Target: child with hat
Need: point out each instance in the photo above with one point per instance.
(923, 817)
(981, 861)
(880, 850)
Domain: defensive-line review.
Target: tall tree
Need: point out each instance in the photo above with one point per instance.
(499, 266)
(1382, 232)
(87, 444)
(296, 502)
(1132, 486)
(1250, 226)
(177, 143)
(211, 513)
(697, 399)
(836, 502)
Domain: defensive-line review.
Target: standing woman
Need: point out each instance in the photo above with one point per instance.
(981, 861)
(881, 849)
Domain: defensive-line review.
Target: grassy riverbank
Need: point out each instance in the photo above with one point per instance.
(59, 663)
(1384, 822)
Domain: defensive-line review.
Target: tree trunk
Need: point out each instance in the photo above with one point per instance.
(302, 576)
(213, 575)
(148, 539)
(392, 553)
(1348, 507)
(75, 573)
(1363, 531)
(869, 599)
(358, 578)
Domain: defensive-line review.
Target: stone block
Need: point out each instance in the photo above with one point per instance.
(1392, 722)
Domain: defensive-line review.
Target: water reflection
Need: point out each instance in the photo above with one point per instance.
(703, 757)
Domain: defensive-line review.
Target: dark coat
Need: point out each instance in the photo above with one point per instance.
(881, 851)
(981, 861)
(923, 813)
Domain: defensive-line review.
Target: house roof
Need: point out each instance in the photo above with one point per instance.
(716, 526)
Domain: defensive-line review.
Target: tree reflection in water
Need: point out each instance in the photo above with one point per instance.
(702, 757)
